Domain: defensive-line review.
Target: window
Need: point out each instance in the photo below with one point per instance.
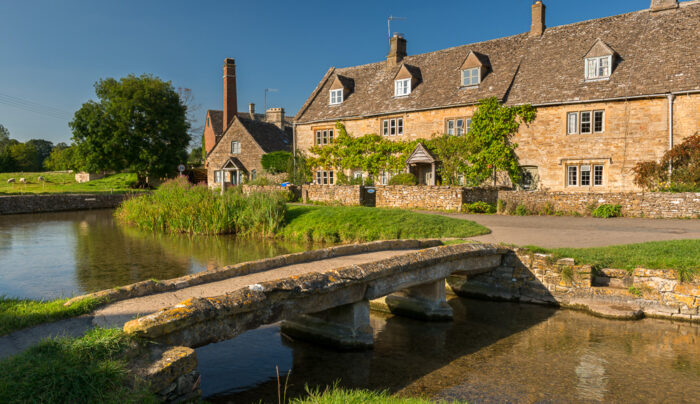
(573, 175)
(469, 125)
(402, 87)
(598, 175)
(585, 176)
(598, 67)
(456, 126)
(324, 136)
(572, 123)
(586, 122)
(392, 127)
(450, 126)
(471, 77)
(253, 175)
(386, 176)
(217, 177)
(357, 175)
(336, 96)
(324, 178)
(598, 119)
(235, 147)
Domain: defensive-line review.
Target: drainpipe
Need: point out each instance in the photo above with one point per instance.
(670, 130)
(294, 151)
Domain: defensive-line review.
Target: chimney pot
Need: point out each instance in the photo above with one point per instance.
(230, 98)
(275, 116)
(251, 110)
(397, 50)
(538, 19)
(660, 5)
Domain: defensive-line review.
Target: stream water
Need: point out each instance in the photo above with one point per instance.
(492, 352)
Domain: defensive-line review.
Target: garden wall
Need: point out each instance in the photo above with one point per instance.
(346, 195)
(635, 204)
(432, 197)
(536, 278)
(13, 204)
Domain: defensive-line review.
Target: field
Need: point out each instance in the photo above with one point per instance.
(64, 183)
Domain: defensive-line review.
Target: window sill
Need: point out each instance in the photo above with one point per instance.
(597, 79)
(473, 87)
(401, 96)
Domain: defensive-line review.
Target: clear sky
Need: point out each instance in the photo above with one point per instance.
(52, 52)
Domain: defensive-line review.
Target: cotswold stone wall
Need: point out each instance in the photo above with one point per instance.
(432, 197)
(646, 204)
(13, 204)
(537, 278)
(347, 195)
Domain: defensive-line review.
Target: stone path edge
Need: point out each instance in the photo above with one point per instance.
(149, 287)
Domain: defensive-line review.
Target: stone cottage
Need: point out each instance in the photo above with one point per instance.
(609, 92)
(236, 141)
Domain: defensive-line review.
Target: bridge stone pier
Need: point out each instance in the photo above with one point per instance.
(330, 307)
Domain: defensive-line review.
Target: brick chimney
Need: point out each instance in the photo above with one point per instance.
(230, 99)
(660, 5)
(538, 13)
(251, 110)
(275, 116)
(397, 50)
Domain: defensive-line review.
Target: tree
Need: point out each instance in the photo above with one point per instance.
(61, 158)
(43, 149)
(453, 152)
(276, 162)
(678, 170)
(195, 156)
(490, 140)
(138, 124)
(4, 134)
(24, 156)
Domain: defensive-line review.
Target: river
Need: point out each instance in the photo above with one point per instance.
(492, 352)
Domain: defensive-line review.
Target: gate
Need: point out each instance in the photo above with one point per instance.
(368, 196)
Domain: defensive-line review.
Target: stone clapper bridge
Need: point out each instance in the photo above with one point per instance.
(325, 298)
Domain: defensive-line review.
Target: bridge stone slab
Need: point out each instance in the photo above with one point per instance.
(424, 302)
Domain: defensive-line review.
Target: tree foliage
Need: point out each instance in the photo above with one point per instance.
(138, 124)
(4, 134)
(62, 157)
(276, 162)
(25, 157)
(684, 159)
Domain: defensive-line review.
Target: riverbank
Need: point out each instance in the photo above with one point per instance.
(16, 314)
(65, 183)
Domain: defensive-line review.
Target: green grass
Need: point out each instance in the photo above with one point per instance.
(336, 224)
(91, 369)
(16, 314)
(681, 255)
(180, 207)
(62, 183)
(337, 395)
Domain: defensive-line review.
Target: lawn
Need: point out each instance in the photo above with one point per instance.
(63, 183)
(91, 369)
(339, 224)
(16, 314)
(681, 255)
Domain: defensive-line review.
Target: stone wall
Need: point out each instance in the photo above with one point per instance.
(432, 197)
(13, 204)
(634, 204)
(537, 278)
(87, 177)
(346, 195)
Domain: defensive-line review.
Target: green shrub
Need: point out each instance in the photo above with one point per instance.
(548, 209)
(403, 179)
(261, 180)
(567, 273)
(479, 207)
(342, 179)
(179, 207)
(635, 291)
(276, 162)
(500, 206)
(606, 210)
(521, 210)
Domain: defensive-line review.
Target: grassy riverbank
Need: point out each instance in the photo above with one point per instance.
(337, 224)
(91, 369)
(16, 314)
(680, 255)
(64, 183)
(342, 396)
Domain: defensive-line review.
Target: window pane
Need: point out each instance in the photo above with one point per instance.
(460, 126)
(598, 121)
(450, 127)
(585, 175)
(572, 125)
(469, 124)
(385, 128)
(597, 175)
(393, 127)
(400, 126)
(573, 175)
(330, 177)
(586, 122)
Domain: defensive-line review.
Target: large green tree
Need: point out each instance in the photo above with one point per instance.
(25, 157)
(138, 124)
(43, 149)
(4, 134)
(61, 158)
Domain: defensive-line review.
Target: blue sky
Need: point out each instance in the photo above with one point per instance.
(51, 52)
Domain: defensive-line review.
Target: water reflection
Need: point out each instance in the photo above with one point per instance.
(492, 353)
(62, 254)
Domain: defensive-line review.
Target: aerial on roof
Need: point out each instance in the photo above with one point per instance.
(653, 53)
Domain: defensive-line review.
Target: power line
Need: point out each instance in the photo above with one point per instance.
(34, 107)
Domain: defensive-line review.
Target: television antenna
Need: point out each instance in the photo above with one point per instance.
(389, 20)
(269, 90)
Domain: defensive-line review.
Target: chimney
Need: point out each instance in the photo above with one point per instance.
(538, 12)
(275, 116)
(251, 110)
(660, 5)
(230, 101)
(397, 50)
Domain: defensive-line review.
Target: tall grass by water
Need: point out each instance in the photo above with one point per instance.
(16, 314)
(179, 207)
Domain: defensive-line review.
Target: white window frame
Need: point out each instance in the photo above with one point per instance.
(402, 87)
(450, 126)
(598, 68)
(235, 147)
(469, 125)
(324, 137)
(218, 177)
(473, 75)
(336, 96)
(325, 177)
(572, 127)
(581, 169)
(572, 180)
(602, 121)
(589, 122)
(394, 125)
(595, 176)
(459, 126)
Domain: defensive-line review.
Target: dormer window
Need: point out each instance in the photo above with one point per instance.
(471, 77)
(402, 87)
(336, 96)
(598, 67)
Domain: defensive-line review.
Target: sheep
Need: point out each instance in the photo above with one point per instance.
(10, 180)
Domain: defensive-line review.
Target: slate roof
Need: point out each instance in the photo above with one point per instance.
(659, 52)
(217, 118)
(267, 135)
